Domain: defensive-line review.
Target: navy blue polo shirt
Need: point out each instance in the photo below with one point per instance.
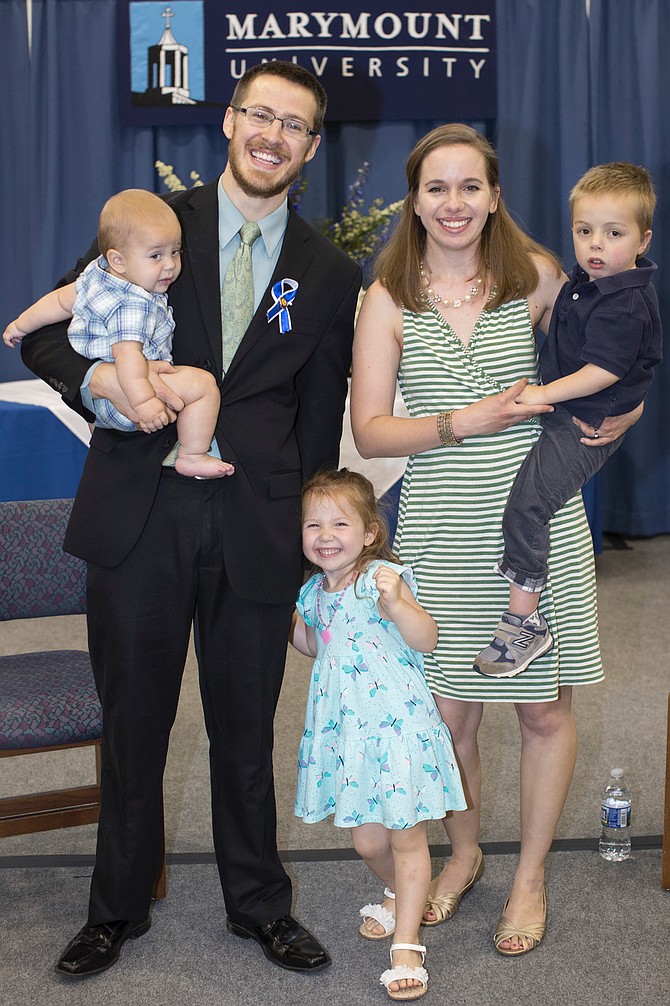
(613, 323)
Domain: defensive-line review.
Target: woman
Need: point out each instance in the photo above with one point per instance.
(452, 316)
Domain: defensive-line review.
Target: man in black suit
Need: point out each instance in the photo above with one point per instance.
(166, 552)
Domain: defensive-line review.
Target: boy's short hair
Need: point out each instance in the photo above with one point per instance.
(127, 213)
(291, 72)
(619, 179)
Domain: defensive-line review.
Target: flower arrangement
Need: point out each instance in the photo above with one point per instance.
(171, 180)
(359, 232)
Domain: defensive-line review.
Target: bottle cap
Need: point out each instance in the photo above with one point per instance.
(617, 773)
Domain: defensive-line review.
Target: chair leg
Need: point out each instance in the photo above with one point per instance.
(665, 869)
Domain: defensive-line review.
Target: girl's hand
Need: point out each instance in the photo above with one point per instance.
(398, 604)
(389, 585)
(302, 636)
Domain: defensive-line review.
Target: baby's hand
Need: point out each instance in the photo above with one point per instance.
(152, 415)
(532, 394)
(12, 335)
(388, 585)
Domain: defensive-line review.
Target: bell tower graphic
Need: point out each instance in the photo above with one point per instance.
(168, 69)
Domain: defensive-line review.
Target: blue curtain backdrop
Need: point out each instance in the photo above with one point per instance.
(630, 87)
(572, 91)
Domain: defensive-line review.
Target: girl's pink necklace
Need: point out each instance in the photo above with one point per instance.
(325, 633)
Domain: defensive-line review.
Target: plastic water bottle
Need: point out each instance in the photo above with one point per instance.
(615, 819)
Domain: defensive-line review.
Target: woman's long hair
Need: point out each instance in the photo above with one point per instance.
(504, 252)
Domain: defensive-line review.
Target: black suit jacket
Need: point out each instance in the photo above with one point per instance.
(282, 402)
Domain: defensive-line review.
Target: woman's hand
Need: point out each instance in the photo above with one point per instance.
(610, 429)
(495, 413)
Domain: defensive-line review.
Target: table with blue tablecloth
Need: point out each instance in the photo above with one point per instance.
(43, 444)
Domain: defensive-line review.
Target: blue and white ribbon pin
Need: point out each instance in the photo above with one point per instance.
(284, 292)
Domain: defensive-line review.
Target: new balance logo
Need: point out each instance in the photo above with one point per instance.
(524, 638)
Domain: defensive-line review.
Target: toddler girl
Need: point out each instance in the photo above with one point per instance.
(374, 752)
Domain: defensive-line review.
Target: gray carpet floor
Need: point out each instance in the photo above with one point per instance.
(606, 943)
(608, 940)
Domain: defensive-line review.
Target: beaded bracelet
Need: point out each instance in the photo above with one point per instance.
(445, 430)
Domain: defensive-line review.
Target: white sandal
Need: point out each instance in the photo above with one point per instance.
(381, 916)
(402, 971)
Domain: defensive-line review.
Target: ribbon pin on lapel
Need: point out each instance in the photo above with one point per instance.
(284, 292)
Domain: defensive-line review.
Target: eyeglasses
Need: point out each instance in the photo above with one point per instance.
(261, 117)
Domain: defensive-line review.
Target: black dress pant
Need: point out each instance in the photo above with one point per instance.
(140, 616)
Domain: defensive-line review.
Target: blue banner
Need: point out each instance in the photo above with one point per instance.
(179, 62)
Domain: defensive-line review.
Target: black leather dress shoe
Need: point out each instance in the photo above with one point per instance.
(285, 943)
(96, 948)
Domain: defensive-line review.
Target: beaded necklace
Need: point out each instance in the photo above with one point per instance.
(325, 632)
(434, 298)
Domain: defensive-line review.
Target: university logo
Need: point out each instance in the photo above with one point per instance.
(180, 61)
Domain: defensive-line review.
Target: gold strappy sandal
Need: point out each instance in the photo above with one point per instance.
(530, 936)
(445, 906)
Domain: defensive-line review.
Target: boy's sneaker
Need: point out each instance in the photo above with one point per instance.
(516, 644)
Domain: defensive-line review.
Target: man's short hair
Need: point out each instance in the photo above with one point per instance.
(287, 71)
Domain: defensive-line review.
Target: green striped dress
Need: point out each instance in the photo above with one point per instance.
(450, 514)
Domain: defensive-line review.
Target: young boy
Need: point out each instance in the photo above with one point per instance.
(603, 342)
(120, 314)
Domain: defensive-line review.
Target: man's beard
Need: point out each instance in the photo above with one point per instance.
(266, 188)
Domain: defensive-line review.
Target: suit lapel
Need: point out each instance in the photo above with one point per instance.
(200, 220)
(294, 260)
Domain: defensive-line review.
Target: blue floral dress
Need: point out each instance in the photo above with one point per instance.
(374, 748)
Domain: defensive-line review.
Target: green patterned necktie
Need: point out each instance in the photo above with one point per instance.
(237, 294)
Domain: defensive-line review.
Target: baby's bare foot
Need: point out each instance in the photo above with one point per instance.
(202, 466)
